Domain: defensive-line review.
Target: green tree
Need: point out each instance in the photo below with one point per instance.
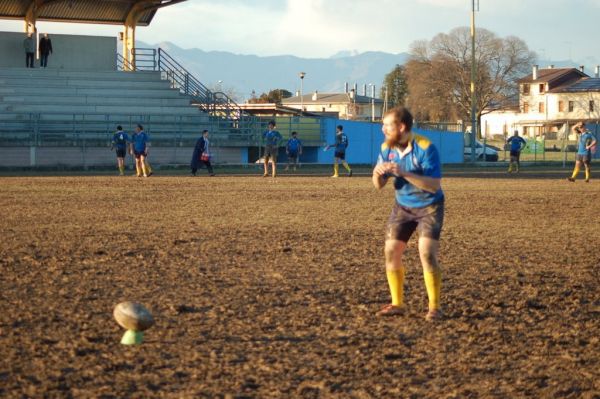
(396, 85)
(273, 96)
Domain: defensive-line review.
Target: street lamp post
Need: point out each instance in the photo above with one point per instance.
(302, 75)
(473, 76)
(372, 102)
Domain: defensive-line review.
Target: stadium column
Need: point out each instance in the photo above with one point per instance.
(31, 15)
(129, 32)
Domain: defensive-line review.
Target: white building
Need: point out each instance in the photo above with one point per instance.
(550, 101)
(345, 105)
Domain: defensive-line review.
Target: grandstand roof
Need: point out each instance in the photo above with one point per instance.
(83, 11)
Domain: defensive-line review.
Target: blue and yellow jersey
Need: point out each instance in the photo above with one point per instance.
(120, 140)
(294, 145)
(585, 139)
(140, 141)
(420, 158)
(272, 138)
(341, 142)
(516, 143)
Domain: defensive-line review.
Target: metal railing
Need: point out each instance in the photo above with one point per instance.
(59, 129)
(86, 134)
(123, 64)
(214, 103)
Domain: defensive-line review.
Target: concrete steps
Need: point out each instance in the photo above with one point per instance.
(62, 114)
(97, 109)
(89, 75)
(58, 91)
(68, 82)
(93, 100)
(101, 92)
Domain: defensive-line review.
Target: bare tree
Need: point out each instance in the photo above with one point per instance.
(439, 73)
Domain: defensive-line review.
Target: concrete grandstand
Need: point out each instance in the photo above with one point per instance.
(65, 114)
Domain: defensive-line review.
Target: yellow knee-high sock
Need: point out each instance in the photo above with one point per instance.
(138, 172)
(336, 169)
(395, 280)
(143, 166)
(587, 173)
(346, 166)
(122, 169)
(147, 164)
(510, 167)
(433, 283)
(575, 172)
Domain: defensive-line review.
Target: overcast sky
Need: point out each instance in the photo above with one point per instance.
(555, 29)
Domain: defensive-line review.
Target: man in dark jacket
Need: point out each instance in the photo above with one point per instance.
(29, 47)
(201, 155)
(45, 50)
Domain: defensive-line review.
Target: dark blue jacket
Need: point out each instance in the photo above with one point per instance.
(198, 150)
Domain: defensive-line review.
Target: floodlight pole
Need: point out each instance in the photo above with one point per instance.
(473, 76)
(302, 75)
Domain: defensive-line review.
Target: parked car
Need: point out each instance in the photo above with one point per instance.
(491, 153)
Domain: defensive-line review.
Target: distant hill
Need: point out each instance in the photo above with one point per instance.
(242, 74)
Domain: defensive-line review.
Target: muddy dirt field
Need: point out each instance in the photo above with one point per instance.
(268, 289)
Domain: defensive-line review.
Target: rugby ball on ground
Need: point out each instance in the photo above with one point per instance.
(133, 316)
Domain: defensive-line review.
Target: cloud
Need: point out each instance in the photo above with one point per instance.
(321, 28)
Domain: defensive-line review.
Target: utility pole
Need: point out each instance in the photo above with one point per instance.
(302, 75)
(473, 76)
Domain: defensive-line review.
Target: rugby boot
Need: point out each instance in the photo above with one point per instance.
(391, 310)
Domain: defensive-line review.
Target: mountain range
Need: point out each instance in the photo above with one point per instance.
(240, 75)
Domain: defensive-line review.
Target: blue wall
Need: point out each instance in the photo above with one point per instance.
(365, 141)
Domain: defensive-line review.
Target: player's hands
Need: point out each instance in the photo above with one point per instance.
(388, 168)
(380, 170)
(395, 169)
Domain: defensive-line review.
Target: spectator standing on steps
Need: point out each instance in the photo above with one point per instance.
(45, 50)
(29, 46)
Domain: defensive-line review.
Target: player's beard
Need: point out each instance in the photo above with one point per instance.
(395, 142)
